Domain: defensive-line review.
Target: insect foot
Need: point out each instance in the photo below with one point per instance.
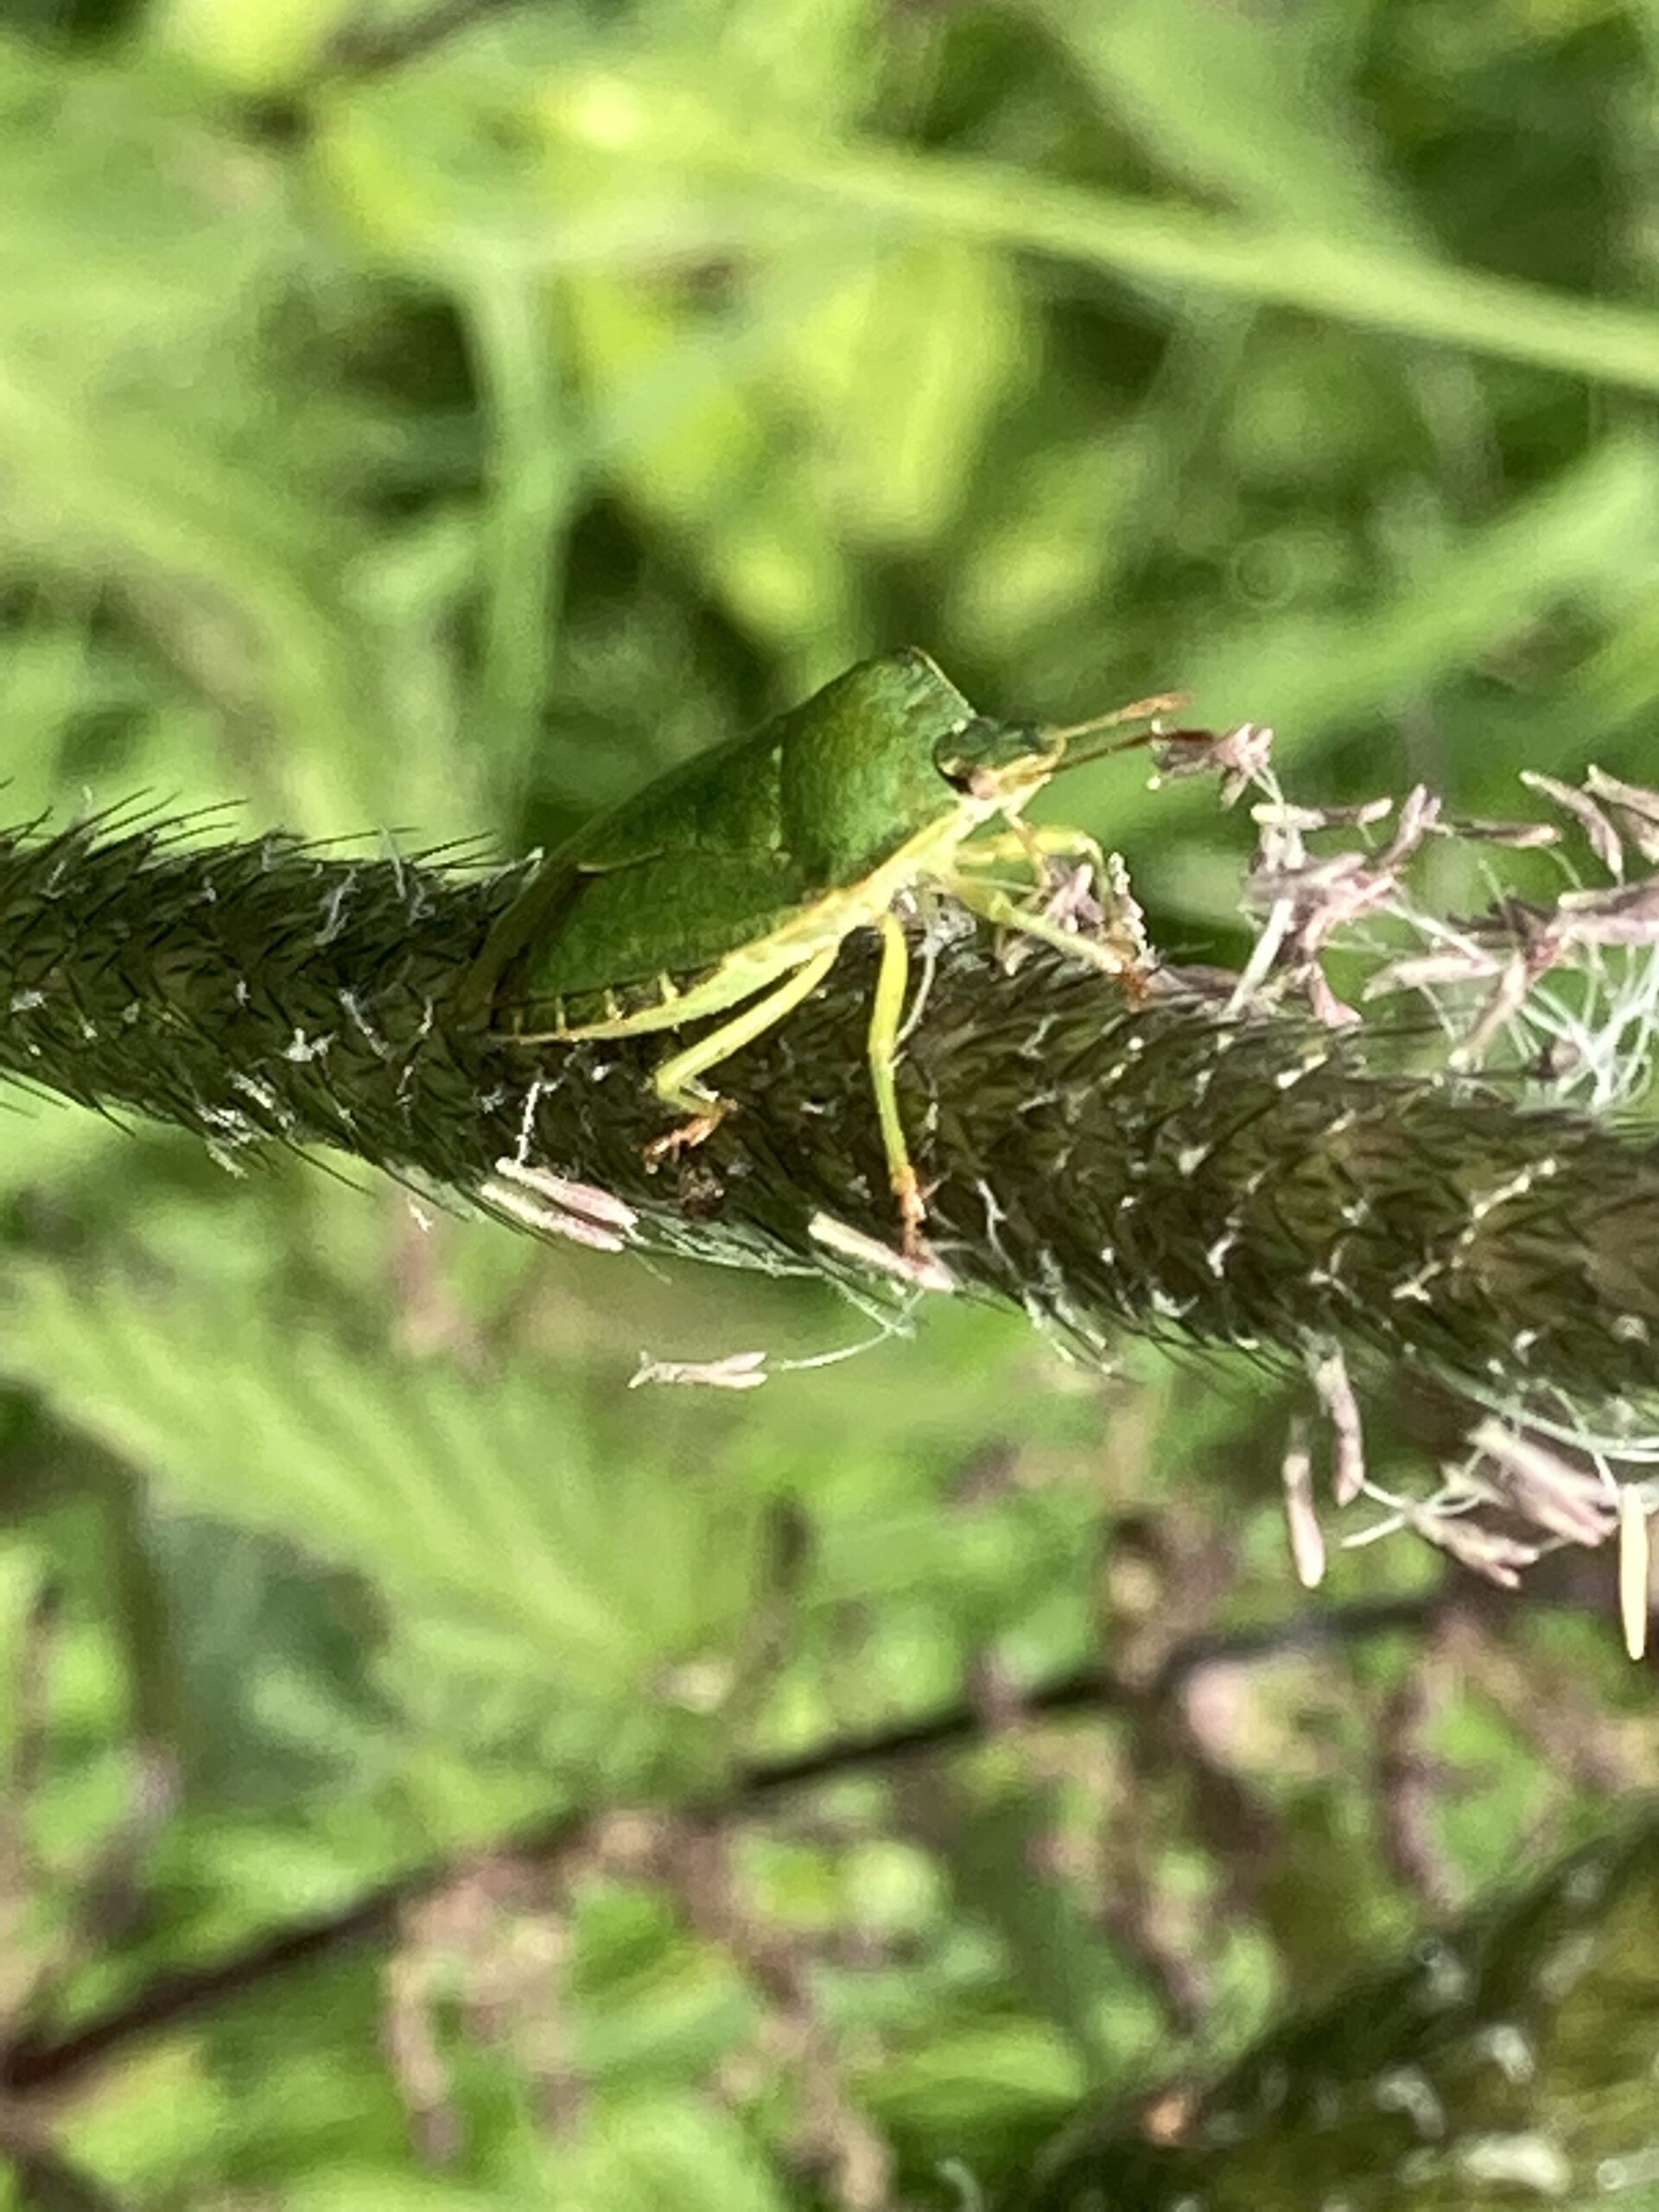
(700, 1127)
(912, 1214)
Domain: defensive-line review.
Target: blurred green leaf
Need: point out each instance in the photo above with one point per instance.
(139, 423)
(361, 2187)
(660, 2155)
(268, 1660)
(254, 49)
(1247, 106)
(994, 1847)
(1166, 248)
(501, 1511)
(1464, 603)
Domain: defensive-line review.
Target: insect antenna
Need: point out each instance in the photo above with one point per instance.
(1147, 714)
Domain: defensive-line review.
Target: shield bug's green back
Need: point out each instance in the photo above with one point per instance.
(723, 848)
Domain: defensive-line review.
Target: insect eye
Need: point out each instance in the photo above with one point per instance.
(969, 757)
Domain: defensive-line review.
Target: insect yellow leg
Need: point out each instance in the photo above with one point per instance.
(1125, 957)
(886, 1018)
(1061, 838)
(677, 1081)
(1032, 842)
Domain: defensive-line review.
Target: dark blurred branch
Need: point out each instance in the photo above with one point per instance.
(37, 2061)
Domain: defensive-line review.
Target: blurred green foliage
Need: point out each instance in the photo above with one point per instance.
(441, 436)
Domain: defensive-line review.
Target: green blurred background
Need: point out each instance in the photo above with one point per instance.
(440, 435)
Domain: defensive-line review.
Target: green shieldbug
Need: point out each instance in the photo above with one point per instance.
(729, 885)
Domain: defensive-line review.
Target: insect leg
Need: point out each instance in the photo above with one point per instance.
(1125, 957)
(1060, 837)
(1032, 842)
(677, 1081)
(886, 1018)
